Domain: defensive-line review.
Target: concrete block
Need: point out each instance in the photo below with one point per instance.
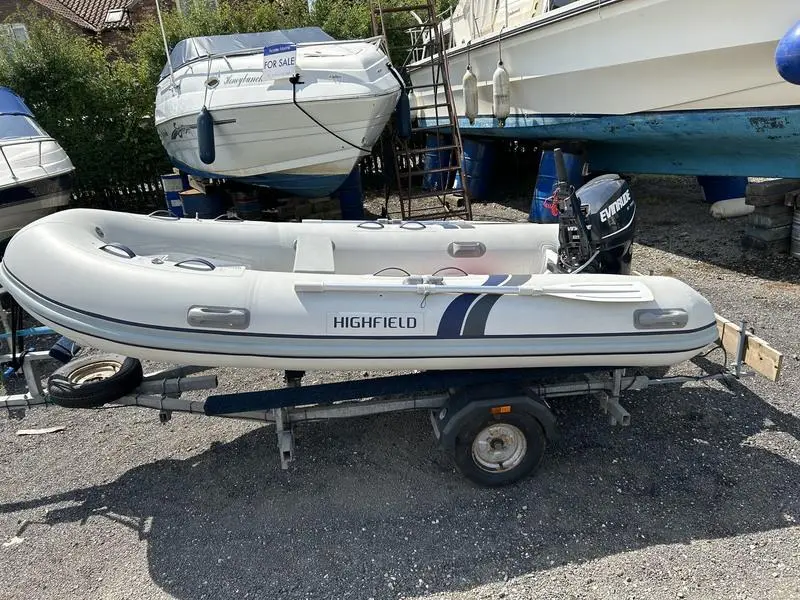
(769, 235)
(773, 210)
(769, 221)
(772, 187)
(774, 247)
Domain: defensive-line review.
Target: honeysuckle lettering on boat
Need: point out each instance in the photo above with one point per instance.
(374, 323)
(240, 80)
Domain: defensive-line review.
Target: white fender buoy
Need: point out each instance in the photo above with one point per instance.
(730, 208)
(470, 85)
(501, 97)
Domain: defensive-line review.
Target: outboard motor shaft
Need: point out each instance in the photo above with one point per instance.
(596, 224)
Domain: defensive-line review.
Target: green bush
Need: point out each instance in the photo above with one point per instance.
(88, 100)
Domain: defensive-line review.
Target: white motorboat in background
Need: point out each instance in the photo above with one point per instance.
(229, 107)
(35, 172)
(648, 86)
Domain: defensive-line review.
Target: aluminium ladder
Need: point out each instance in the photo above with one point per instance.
(424, 181)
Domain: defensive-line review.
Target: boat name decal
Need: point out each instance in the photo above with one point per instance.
(612, 209)
(240, 80)
(371, 323)
(178, 131)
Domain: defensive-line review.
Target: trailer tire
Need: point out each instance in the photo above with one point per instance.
(500, 449)
(93, 381)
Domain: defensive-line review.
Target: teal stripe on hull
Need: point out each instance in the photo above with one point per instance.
(753, 142)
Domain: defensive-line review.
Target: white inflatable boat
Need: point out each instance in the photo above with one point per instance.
(342, 295)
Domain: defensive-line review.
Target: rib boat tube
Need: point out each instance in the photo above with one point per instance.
(342, 295)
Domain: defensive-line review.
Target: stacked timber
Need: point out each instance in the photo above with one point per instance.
(769, 226)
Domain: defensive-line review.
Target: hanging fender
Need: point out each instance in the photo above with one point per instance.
(470, 87)
(205, 136)
(403, 116)
(501, 94)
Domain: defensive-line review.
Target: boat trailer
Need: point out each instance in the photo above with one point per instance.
(497, 423)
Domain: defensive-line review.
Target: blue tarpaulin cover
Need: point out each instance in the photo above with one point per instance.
(11, 104)
(198, 47)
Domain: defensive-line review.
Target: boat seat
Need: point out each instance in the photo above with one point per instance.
(313, 254)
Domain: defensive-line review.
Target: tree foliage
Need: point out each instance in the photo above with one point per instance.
(88, 100)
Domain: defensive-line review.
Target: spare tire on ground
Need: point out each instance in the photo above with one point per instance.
(94, 380)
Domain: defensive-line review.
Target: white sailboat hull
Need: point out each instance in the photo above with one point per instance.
(336, 295)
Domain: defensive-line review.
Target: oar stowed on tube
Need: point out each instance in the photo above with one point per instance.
(622, 291)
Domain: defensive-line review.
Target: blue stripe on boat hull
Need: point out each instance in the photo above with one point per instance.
(300, 185)
(754, 142)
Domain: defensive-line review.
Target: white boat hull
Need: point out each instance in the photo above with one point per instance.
(35, 172)
(335, 295)
(680, 86)
(303, 138)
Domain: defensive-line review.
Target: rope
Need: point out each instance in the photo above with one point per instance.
(294, 81)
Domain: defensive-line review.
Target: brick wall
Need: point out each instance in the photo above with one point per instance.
(139, 12)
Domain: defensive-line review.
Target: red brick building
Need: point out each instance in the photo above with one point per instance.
(106, 19)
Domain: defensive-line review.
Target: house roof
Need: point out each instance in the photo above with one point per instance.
(90, 14)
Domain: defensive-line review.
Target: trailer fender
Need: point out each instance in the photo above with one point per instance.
(449, 420)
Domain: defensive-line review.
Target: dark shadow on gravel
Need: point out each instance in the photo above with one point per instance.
(371, 509)
(673, 217)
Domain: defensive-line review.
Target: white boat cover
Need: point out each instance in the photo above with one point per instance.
(194, 48)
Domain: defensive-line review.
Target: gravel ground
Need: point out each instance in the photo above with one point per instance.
(698, 498)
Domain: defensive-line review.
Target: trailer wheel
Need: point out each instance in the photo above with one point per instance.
(92, 381)
(500, 449)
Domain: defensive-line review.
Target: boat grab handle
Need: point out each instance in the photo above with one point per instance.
(466, 249)
(420, 223)
(163, 214)
(221, 317)
(202, 261)
(365, 224)
(128, 252)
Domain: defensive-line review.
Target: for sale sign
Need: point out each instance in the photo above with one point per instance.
(279, 61)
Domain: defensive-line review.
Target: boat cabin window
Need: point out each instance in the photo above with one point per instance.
(18, 126)
(554, 4)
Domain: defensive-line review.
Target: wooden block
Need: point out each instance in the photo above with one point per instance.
(758, 355)
(768, 221)
(769, 235)
(771, 187)
(773, 210)
(778, 198)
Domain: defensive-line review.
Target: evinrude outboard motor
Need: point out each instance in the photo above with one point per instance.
(596, 224)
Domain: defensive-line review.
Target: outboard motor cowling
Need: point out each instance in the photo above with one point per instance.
(610, 212)
(596, 224)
